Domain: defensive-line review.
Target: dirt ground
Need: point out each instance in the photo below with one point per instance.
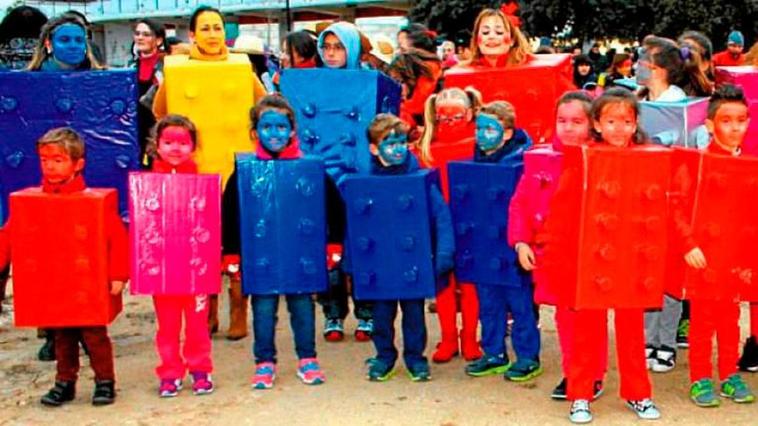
(451, 398)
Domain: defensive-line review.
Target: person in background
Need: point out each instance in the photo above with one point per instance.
(149, 49)
(732, 56)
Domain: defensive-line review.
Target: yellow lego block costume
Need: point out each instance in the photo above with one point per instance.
(217, 97)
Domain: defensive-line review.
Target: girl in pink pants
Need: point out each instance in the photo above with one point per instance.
(175, 139)
(527, 214)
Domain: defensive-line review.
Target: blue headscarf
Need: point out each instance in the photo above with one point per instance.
(349, 37)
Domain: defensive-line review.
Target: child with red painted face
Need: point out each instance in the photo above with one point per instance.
(615, 117)
(174, 139)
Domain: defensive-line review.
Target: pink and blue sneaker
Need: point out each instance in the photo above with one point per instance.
(309, 371)
(265, 372)
(201, 383)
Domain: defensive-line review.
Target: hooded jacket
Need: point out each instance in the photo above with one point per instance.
(349, 37)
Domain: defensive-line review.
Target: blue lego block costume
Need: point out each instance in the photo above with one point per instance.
(282, 225)
(480, 194)
(334, 109)
(100, 105)
(676, 123)
(389, 235)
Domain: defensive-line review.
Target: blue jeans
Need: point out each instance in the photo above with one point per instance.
(495, 302)
(302, 321)
(414, 331)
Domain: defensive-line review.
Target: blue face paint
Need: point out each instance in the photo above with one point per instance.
(393, 149)
(274, 131)
(69, 44)
(489, 132)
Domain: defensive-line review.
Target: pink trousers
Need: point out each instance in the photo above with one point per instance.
(195, 355)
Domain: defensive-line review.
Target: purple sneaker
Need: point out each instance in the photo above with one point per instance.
(201, 383)
(169, 388)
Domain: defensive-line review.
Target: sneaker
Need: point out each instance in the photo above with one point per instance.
(682, 334)
(488, 365)
(559, 393)
(523, 370)
(201, 383)
(105, 392)
(334, 331)
(364, 330)
(736, 389)
(309, 371)
(702, 394)
(749, 359)
(169, 388)
(580, 412)
(47, 352)
(650, 356)
(420, 372)
(60, 393)
(265, 373)
(645, 409)
(378, 371)
(445, 351)
(597, 388)
(665, 360)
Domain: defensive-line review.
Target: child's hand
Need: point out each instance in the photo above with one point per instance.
(230, 265)
(695, 258)
(117, 287)
(525, 256)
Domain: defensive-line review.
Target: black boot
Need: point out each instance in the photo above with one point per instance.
(47, 351)
(105, 393)
(60, 393)
(749, 359)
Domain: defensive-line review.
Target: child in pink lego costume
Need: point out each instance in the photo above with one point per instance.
(174, 142)
(528, 210)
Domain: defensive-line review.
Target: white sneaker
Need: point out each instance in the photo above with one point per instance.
(580, 412)
(650, 357)
(665, 360)
(645, 409)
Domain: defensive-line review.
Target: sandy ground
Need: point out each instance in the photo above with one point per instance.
(451, 398)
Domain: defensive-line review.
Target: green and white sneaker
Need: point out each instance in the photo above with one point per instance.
(702, 394)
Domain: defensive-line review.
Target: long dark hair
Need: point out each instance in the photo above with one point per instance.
(40, 51)
(203, 9)
(303, 43)
(618, 95)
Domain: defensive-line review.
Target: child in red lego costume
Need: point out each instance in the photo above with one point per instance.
(727, 122)
(497, 41)
(449, 125)
(572, 127)
(61, 153)
(175, 138)
(615, 117)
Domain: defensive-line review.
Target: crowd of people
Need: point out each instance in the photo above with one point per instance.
(603, 109)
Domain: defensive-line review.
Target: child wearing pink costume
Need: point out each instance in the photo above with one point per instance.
(175, 139)
(527, 214)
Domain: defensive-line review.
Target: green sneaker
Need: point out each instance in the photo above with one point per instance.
(420, 372)
(736, 389)
(523, 370)
(488, 365)
(701, 393)
(378, 371)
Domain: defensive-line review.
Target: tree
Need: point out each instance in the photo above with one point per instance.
(451, 19)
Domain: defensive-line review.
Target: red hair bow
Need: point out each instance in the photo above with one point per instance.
(510, 9)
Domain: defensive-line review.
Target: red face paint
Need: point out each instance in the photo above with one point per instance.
(175, 145)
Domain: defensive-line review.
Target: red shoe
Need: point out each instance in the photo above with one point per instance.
(333, 330)
(471, 349)
(445, 352)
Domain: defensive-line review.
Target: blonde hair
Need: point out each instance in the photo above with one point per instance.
(40, 50)
(470, 97)
(66, 138)
(503, 111)
(520, 49)
(382, 125)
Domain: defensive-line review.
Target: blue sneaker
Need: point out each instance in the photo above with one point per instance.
(378, 371)
(420, 372)
(488, 365)
(523, 370)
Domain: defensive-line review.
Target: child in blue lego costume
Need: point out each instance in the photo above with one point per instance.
(499, 141)
(273, 127)
(62, 46)
(339, 47)
(388, 138)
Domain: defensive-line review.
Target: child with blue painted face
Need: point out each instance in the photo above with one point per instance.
(63, 46)
(498, 140)
(273, 128)
(388, 144)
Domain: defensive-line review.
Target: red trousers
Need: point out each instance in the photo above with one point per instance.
(706, 319)
(565, 322)
(591, 326)
(67, 352)
(195, 356)
(447, 312)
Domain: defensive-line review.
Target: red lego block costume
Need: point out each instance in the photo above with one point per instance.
(532, 88)
(65, 251)
(606, 231)
(747, 78)
(712, 204)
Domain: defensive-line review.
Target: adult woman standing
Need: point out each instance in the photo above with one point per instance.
(149, 49)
